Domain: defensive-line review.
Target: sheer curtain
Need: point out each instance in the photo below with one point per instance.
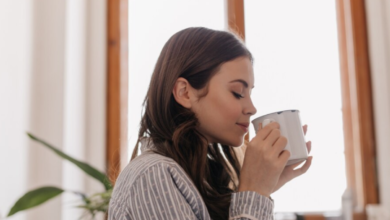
(378, 21)
(52, 80)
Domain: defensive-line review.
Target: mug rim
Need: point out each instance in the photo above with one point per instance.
(279, 112)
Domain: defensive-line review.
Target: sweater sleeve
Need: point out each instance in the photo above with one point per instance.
(250, 205)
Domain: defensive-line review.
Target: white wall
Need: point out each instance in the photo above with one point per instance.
(42, 46)
(378, 19)
(14, 66)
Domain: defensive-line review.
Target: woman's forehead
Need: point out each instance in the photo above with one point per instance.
(237, 70)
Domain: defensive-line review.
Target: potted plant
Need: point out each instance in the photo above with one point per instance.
(92, 204)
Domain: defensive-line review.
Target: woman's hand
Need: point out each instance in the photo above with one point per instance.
(289, 173)
(265, 160)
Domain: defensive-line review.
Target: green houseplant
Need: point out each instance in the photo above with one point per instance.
(92, 204)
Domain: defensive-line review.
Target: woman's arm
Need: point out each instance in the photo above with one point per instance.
(250, 205)
(155, 195)
(164, 192)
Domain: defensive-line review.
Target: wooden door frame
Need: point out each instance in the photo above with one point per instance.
(235, 17)
(358, 120)
(236, 23)
(117, 86)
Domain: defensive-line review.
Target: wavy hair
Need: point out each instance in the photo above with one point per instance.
(195, 54)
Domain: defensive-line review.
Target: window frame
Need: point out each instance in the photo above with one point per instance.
(117, 87)
(357, 102)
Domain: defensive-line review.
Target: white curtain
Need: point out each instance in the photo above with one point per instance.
(52, 84)
(378, 26)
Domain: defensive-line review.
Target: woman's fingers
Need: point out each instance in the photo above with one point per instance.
(304, 129)
(263, 133)
(303, 169)
(306, 166)
(308, 145)
(279, 145)
(293, 166)
(273, 137)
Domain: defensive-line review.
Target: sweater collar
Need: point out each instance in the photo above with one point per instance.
(146, 144)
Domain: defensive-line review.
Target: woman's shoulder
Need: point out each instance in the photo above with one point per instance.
(144, 164)
(151, 170)
(149, 159)
(147, 165)
(153, 180)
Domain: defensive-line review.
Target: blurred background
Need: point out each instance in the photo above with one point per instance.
(55, 82)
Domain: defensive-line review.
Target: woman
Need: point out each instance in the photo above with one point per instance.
(197, 110)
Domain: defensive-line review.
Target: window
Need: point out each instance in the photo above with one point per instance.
(151, 24)
(296, 64)
(296, 60)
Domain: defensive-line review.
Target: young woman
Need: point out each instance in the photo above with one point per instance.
(197, 111)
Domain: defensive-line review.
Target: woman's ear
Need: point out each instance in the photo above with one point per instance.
(181, 92)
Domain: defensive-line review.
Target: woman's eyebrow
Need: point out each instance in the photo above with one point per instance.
(243, 82)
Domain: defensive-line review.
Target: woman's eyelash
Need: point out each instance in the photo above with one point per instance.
(238, 95)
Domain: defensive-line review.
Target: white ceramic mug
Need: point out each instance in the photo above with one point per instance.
(291, 128)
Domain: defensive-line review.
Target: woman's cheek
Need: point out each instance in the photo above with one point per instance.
(231, 109)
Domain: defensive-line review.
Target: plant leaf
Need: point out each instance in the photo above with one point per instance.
(101, 177)
(34, 198)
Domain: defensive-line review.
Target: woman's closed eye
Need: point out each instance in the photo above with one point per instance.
(238, 96)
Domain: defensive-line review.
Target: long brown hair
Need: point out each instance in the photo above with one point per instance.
(196, 55)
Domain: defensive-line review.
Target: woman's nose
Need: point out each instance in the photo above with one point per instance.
(251, 109)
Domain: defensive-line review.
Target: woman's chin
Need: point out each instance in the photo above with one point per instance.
(236, 143)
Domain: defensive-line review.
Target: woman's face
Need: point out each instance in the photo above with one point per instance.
(224, 113)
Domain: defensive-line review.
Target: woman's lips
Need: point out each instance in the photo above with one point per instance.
(243, 127)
